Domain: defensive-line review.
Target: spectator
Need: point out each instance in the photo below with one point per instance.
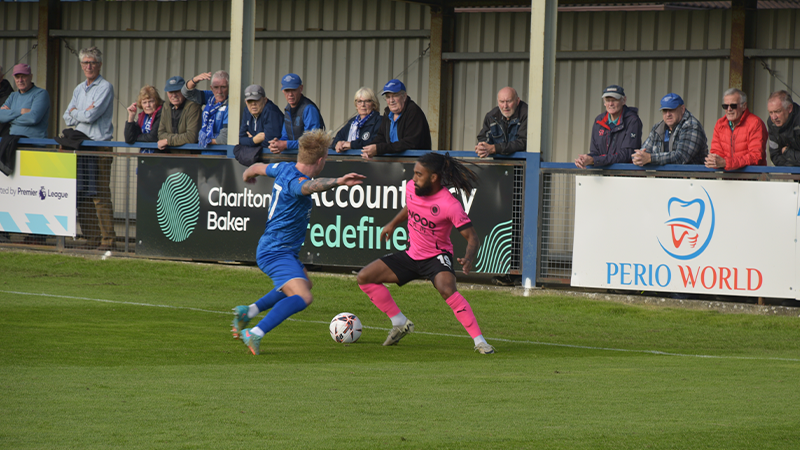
(145, 128)
(90, 112)
(784, 129)
(28, 109)
(263, 120)
(403, 127)
(363, 127)
(300, 115)
(181, 123)
(678, 139)
(214, 123)
(740, 138)
(615, 134)
(505, 128)
(5, 87)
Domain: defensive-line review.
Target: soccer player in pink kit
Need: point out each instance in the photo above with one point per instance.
(432, 212)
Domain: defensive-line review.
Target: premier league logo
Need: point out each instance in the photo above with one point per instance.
(689, 228)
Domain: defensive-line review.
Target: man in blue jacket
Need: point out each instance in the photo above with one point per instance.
(301, 115)
(263, 120)
(28, 109)
(616, 133)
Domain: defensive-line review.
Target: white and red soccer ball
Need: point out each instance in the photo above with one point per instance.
(345, 328)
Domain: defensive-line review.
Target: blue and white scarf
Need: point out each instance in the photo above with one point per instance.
(355, 127)
(209, 116)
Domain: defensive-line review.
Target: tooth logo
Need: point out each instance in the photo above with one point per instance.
(689, 226)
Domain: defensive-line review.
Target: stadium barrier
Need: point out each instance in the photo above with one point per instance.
(229, 215)
(627, 234)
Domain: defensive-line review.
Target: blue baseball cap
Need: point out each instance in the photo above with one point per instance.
(614, 91)
(291, 81)
(174, 84)
(671, 101)
(393, 86)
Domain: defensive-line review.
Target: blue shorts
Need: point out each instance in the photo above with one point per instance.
(281, 266)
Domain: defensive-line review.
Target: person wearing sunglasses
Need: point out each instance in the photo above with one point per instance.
(740, 137)
(678, 139)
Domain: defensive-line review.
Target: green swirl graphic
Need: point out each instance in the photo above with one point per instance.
(495, 253)
(178, 207)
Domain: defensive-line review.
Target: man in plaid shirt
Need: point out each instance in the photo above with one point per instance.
(678, 139)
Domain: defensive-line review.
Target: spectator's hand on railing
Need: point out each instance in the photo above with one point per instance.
(483, 149)
(641, 157)
(162, 144)
(369, 152)
(584, 160)
(277, 146)
(342, 146)
(714, 161)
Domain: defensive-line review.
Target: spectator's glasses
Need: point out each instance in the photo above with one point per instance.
(732, 106)
(89, 63)
(363, 102)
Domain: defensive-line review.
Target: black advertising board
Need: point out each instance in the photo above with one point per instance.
(201, 209)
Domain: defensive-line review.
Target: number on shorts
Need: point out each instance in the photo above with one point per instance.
(445, 260)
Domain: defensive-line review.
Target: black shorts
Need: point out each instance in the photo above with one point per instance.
(408, 269)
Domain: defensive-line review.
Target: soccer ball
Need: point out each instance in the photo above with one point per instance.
(345, 328)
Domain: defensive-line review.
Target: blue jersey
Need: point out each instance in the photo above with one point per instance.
(289, 210)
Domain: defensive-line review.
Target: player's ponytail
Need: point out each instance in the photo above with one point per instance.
(451, 171)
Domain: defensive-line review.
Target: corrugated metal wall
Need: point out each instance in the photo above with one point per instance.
(776, 29)
(579, 84)
(331, 69)
(476, 82)
(334, 69)
(16, 17)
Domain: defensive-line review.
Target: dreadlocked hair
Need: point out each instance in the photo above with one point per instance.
(451, 171)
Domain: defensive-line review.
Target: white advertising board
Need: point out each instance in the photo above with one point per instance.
(40, 196)
(683, 235)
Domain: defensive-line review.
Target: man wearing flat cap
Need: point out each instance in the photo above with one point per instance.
(180, 122)
(300, 115)
(263, 120)
(404, 125)
(678, 139)
(616, 133)
(28, 109)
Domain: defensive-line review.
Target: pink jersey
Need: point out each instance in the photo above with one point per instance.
(430, 220)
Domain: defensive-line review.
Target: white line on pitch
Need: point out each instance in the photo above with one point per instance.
(551, 344)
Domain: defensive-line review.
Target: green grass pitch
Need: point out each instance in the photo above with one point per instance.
(134, 354)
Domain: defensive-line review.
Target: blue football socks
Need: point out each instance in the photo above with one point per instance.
(282, 311)
(268, 301)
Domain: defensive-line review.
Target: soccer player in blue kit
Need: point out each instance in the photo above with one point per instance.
(279, 246)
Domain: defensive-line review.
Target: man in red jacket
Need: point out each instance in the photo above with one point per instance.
(740, 138)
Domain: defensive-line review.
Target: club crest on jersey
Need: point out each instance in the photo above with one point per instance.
(365, 136)
(435, 210)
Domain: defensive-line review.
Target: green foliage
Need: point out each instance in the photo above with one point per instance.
(127, 354)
